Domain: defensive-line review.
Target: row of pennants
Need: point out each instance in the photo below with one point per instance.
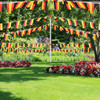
(31, 21)
(23, 22)
(17, 45)
(29, 31)
(77, 32)
(40, 50)
(10, 6)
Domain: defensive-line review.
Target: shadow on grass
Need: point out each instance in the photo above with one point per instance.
(8, 96)
(34, 73)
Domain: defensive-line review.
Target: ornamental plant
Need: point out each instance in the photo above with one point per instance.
(82, 68)
(15, 64)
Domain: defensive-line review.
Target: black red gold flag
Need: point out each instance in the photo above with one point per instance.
(56, 19)
(31, 4)
(86, 35)
(8, 25)
(56, 5)
(1, 26)
(44, 4)
(90, 7)
(81, 5)
(34, 29)
(5, 37)
(69, 4)
(88, 50)
(62, 19)
(31, 22)
(69, 21)
(61, 28)
(10, 7)
(10, 45)
(29, 31)
(92, 25)
(38, 19)
(23, 45)
(83, 24)
(17, 24)
(17, 45)
(45, 18)
(75, 22)
(78, 45)
(94, 36)
(25, 22)
(71, 31)
(0, 6)
(83, 45)
(90, 45)
(19, 5)
(66, 29)
(18, 32)
(1, 44)
(14, 35)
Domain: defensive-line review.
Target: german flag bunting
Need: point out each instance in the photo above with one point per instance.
(92, 25)
(83, 32)
(71, 31)
(90, 45)
(54, 27)
(97, 34)
(75, 22)
(10, 7)
(86, 35)
(25, 22)
(78, 45)
(32, 45)
(1, 26)
(8, 25)
(28, 45)
(62, 19)
(31, 4)
(56, 5)
(94, 36)
(31, 22)
(69, 5)
(1, 44)
(3, 34)
(61, 28)
(23, 45)
(83, 24)
(39, 28)
(45, 18)
(17, 24)
(69, 21)
(83, 50)
(88, 50)
(90, 7)
(83, 45)
(5, 37)
(68, 45)
(99, 27)
(19, 5)
(34, 29)
(46, 27)
(38, 19)
(44, 4)
(8, 45)
(56, 18)
(17, 45)
(0, 6)
(14, 35)
(66, 29)
(29, 31)
(18, 32)
(81, 5)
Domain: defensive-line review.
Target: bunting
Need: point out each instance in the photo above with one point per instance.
(90, 7)
(8, 25)
(1, 26)
(56, 5)
(83, 24)
(92, 25)
(19, 5)
(10, 7)
(44, 4)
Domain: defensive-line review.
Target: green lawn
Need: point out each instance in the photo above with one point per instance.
(35, 84)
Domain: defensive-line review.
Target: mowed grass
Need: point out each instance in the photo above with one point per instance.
(35, 84)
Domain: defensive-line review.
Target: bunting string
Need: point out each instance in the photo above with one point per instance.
(75, 22)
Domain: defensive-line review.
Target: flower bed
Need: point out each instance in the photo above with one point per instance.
(83, 68)
(15, 64)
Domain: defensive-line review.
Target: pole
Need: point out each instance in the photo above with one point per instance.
(50, 39)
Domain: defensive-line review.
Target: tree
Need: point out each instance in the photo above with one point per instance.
(75, 13)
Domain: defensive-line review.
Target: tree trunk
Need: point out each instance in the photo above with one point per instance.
(96, 52)
(97, 58)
